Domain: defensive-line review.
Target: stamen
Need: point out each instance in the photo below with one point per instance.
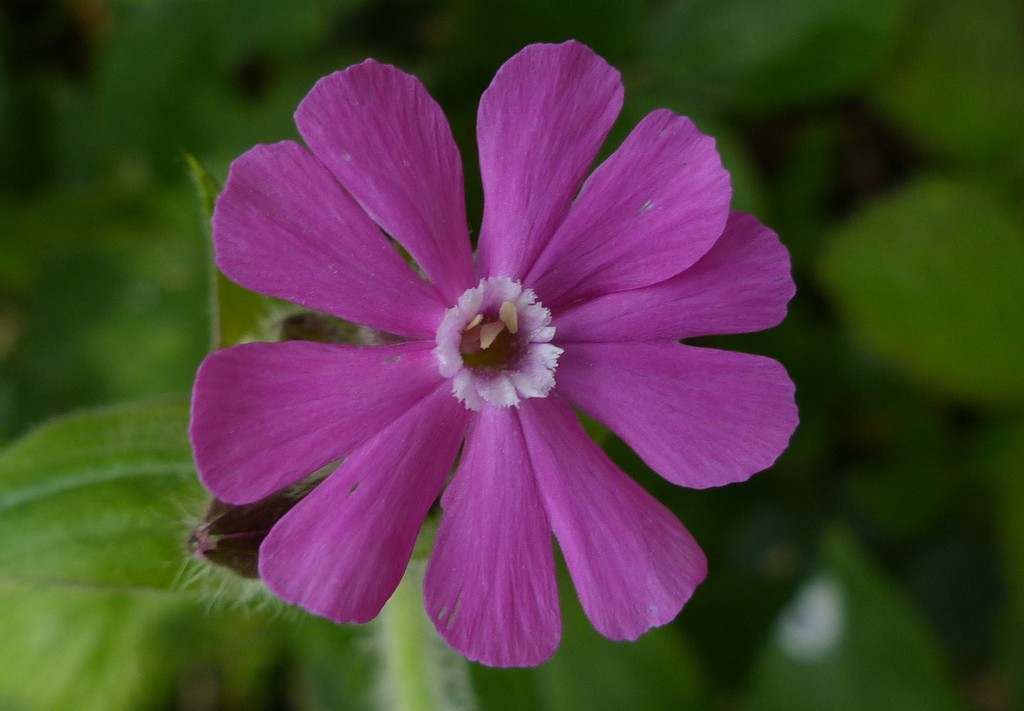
(509, 316)
(495, 345)
(490, 331)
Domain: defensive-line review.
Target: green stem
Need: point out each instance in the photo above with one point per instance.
(418, 671)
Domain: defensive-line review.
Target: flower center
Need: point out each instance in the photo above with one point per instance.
(491, 344)
(495, 345)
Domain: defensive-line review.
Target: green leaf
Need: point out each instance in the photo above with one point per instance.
(103, 650)
(767, 55)
(238, 314)
(207, 187)
(68, 649)
(929, 278)
(959, 86)
(106, 294)
(95, 515)
(849, 642)
(100, 499)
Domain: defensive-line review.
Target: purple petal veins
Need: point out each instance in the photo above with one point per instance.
(490, 583)
(578, 296)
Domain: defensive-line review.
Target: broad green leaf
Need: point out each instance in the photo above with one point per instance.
(100, 650)
(103, 609)
(757, 54)
(81, 651)
(101, 499)
(930, 279)
(958, 87)
(849, 642)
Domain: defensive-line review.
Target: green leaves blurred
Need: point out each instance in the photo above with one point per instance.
(959, 87)
(100, 499)
(95, 514)
(203, 76)
(86, 652)
(849, 642)
(930, 278)
(765, 55)
(102, 298)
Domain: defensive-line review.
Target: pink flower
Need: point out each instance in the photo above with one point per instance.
(578, 297)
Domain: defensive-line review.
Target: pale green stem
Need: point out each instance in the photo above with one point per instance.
(418, 672)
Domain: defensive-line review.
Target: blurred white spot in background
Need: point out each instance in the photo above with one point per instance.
(814, 622)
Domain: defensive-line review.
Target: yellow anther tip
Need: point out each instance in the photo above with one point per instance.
(490, 331)
(509, 316)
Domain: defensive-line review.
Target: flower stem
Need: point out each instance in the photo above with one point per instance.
(418, 671)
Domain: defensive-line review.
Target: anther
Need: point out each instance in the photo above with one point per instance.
(490, 331)
(509, 316)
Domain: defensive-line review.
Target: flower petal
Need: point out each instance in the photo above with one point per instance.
(389, 143)
(284, 227)
(697, 416)
(341, 552)
(647, 213)
(264, 415)
(490, 584)
(540, 125)
(633, 562)
(741, 285)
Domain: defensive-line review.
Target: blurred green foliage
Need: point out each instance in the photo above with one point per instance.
(126, 474)
(879, 564)
(950, 256)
